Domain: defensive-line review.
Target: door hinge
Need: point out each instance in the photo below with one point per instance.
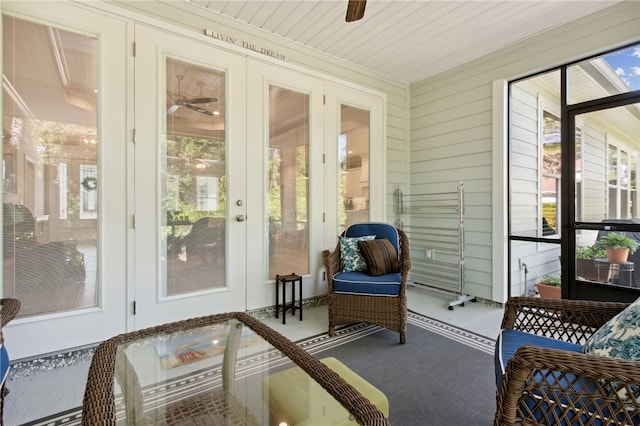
(323, 159)
(134, 49)
(134, 307)
(324, 99)
(133, 221)
(134, 136)
(323, 217)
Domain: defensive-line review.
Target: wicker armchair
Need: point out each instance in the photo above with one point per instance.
(552, 386)
(9, 308)
(383, 310)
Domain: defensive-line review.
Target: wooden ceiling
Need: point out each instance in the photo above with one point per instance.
(403, 39)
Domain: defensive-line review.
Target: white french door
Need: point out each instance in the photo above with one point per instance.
(355, 146)
(286, 189)
(65, 107)
(190, 179)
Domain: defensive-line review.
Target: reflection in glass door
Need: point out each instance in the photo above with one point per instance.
(50, 169)
(288, 182)
(353, 157)
(193, 210)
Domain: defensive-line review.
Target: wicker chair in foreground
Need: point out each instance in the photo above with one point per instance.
(549, 380)
(9, 308)
(374, 293)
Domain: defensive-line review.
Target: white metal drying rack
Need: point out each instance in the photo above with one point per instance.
(441, 247)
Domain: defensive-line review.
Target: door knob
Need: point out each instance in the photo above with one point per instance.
(241, 218)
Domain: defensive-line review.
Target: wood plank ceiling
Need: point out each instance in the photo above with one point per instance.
(403, 39)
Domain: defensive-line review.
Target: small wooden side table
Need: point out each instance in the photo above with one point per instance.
(284, 279)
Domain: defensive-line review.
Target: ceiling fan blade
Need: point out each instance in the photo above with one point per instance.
(355, 10)
(197, 108)
(202, 100)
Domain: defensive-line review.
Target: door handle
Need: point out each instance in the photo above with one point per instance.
(241, 218)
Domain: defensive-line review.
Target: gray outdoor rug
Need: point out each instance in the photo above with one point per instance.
(432, 379)
(443, 375)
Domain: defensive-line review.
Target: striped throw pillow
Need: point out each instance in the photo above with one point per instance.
(380, 256)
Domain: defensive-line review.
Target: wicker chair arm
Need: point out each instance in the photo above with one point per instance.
(331, 264)
(10, 308)
(560, 397)
(569, 320)
(405, 256)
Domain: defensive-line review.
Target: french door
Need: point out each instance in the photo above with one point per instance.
(64, 175)
(139, 190)
(190, 179)
(287, 178)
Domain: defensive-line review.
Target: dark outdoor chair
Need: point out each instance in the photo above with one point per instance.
(9, 308)
(38, 264)
(359, 296)
(205, 240)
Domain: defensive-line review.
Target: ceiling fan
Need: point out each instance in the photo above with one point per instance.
(181, 100)
(355, 10)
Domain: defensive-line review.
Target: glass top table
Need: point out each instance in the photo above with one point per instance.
(216, 370)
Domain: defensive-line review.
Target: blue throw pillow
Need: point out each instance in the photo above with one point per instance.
(350, 255)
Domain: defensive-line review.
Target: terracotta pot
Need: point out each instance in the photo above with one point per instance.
(549, 291)
(618, 255)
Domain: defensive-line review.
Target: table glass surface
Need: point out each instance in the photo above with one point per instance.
(220, 373)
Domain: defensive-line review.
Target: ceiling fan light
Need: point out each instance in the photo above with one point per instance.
(355, 10)
(173, 108)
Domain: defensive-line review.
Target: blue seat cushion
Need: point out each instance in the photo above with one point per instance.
(506, 345)
(4, 363)
(510, 340)
(362, 283)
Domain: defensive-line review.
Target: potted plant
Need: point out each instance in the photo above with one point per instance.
(549, 287)
(585, 265)
(618, 246)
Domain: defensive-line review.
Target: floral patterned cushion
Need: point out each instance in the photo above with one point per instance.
(350, 255)
(619, 337)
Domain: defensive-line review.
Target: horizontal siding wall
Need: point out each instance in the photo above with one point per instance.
(594, 173)
(451, 124)
(196, 19)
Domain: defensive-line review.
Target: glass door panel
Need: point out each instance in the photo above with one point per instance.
(288, 183)
(50, 170)
(353, 157)
(193, 208)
